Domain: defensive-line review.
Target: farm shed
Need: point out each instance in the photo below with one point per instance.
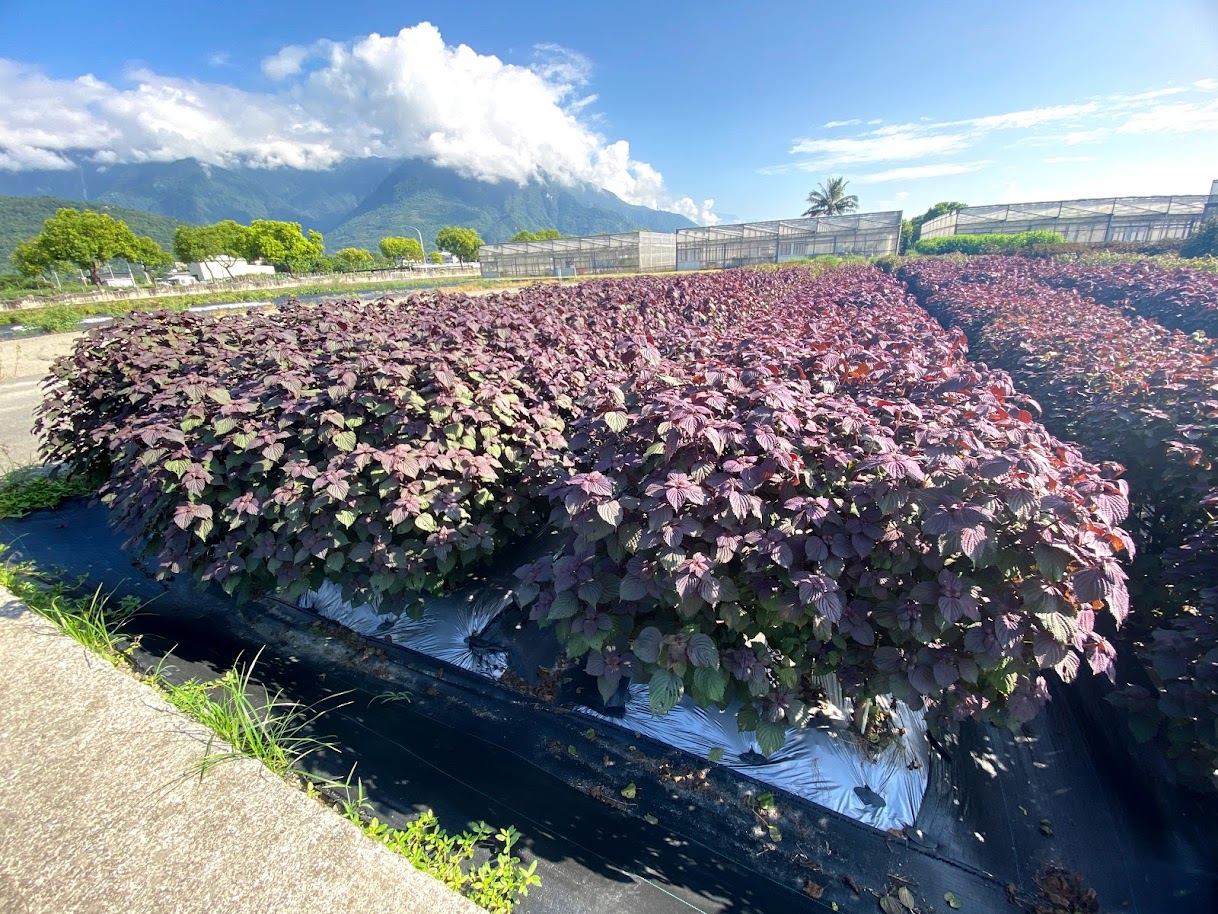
(1109, 219)
(723, 246)
(628, 252)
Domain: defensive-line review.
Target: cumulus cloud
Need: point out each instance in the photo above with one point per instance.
(403, 95)
(1188, 109)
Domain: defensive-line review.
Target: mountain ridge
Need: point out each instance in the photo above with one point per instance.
(355, 203)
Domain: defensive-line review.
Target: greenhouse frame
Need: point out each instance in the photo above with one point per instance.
(627, 252)
(1135, 219)
(724, 246)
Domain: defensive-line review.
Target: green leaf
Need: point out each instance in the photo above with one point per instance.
(224, 424)
(715, 756)
(345, 517)
(345, 441)
(646, 645)
(565, 605)
(632, 588)
(334, 561)
(664, 691)
(590, 734)
(709, 684)
(702, 652)
(629, 791)
(425, 522)
(615, 420)
(651, 820)
(1051, 561)
(770, 736)
(1061, 627)
(220, 396)
(952, 901)
(746, 719)
(765, 800)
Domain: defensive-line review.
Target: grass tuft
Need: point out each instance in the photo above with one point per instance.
(32, 488)
(271, 731)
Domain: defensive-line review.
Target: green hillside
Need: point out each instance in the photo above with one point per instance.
(21, 218)
(420, 195)
(355, 203)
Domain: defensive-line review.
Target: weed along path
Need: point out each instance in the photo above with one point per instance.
(98, 816)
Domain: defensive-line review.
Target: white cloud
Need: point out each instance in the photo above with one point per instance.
(403, 95)
(1166, 110)
(854, 121)
(882, 145)
(219, 59)
(919, 172)
(1065, 160)
(1178, 117)
(288, 61)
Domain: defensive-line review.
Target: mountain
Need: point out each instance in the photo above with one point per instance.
(21, 218)
(355, 203)
(427, 197)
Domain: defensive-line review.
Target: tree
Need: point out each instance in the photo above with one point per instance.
(150, 255)
(435, 257)
(351, 260)
(398, 248)
(462, 243)
(911, 231)
(82, 238)
(543, 235)
(831, 199)
(193, 243)
(284, 245)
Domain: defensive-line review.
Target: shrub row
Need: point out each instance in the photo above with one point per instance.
(1137, 393)
(830, 488)
(986, 244)
(386, 446)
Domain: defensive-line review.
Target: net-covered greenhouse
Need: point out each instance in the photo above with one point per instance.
(724, 246)
(1110, 219)
(628, 252)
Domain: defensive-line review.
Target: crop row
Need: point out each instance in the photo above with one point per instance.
(831, 487)
(1135, 392)
(759, 476)
(1179, 299)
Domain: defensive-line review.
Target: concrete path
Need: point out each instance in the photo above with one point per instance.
(23, 365)
(18, 397)
(96, 816)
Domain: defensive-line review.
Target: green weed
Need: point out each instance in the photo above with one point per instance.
(27, 489)
(496, 885)
(271, 731)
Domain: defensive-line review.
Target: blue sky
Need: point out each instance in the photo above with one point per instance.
(669, 104)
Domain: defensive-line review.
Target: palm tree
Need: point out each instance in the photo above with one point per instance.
(831, 199)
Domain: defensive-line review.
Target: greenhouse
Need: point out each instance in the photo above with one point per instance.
(628, 252)
(1111, 219)
(724, 246)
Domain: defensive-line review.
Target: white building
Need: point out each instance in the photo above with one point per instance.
(225, 267)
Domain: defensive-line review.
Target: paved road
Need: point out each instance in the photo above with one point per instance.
(18, 397)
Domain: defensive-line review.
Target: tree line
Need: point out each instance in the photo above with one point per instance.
(88, 241)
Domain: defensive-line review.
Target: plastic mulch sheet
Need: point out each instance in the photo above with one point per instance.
(451, 629)
(825, 761)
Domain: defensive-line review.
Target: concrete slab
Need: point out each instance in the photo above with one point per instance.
(96, 816)
(18, 444)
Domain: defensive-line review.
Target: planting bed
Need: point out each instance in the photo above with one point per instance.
(749, 511)
(1142, 395)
